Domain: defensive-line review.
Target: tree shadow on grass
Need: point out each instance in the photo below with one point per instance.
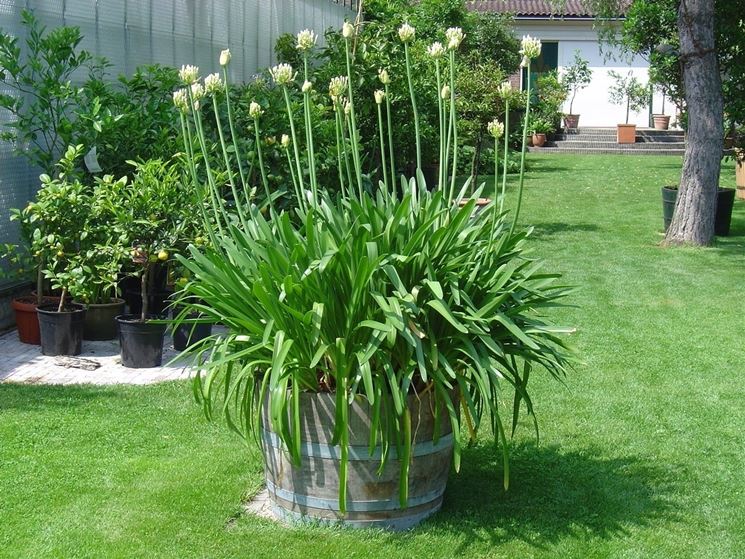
(554, 494)
(24, 397)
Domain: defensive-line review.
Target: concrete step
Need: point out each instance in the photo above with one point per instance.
(605, 143)
(618, 149)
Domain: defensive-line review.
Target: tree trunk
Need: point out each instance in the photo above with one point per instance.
(693, 221)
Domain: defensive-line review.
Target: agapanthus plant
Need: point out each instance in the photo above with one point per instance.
(372, 296)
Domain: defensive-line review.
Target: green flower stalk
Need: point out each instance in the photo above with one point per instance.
(285, 143)
(255, 112)
(437, 51)
(386, 80)
(224, 61)
(407, 34)
(379, 96)
(505, 92)
(496, 130)
(212, 85)
(454, 37)
(348, 32)
(531, 48)
(341, 122)
(306, 40)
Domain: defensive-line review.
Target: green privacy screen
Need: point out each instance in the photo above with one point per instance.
(130, 33)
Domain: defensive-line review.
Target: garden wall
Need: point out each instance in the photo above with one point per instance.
(130, 33)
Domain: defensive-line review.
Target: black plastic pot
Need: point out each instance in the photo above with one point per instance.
(141, 342)
(187, 334)
(669, 196)
(61, 332)
(100, 319)
(725, 203)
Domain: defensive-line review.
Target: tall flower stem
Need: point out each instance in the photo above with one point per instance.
(294, 179)
(504, 160)
(260, 155)
(441, 122)
(413, 106)
(231, 125)
(522, 154)
(390, 135)
(453, 124)
(382, 147)
(309, 137)
(294, 143)
(228, 167)
(354, 134)
(341, 122)
(339, 160)
(355, 152)
(189, 147)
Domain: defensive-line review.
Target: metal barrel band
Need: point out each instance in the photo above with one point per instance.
(400, 523)
(318, 450)
(352, 506)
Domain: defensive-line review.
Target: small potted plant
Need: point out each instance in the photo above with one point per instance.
(152, 212)
(661, 121)
(575, 78)
(541, 128)
(629, 91)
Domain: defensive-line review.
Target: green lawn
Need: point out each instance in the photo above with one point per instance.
(642, 453)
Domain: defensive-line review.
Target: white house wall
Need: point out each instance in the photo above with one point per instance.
(592, 103)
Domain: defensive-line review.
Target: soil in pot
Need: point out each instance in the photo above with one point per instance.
(310, 492)
(141, 342)
(61, 332)
(100, 319)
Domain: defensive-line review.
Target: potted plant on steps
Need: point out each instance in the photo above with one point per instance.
(629, 91)
(153, 213)
(575, 78)
(362, 330)
(661, 121)
(541, 128)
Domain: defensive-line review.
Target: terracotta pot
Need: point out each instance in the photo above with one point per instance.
(571, 122)
(661, 122)
(539, 139)
(626, 134)
(27, 321)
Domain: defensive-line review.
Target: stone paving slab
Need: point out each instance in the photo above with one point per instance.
(24, 363)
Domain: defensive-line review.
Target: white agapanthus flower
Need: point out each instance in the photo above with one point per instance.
(504, 90)
(495, 129)
(307, 86)
(188, 74)
(347, 30)
(436, 50)
(406, 33)
(282, 74)
(445, 92)
(255, 110)
(338, 86)
(455, 37)
(306, 40)
(379, 96)
(530, 47)
(285, 141)
(383, 76)
(181, 100)
(524, 62)
(224, 57)
(197, 91)
(213, 84)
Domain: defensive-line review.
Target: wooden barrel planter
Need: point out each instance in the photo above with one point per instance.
(311, 492)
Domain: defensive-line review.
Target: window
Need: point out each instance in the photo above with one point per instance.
(546, 62)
